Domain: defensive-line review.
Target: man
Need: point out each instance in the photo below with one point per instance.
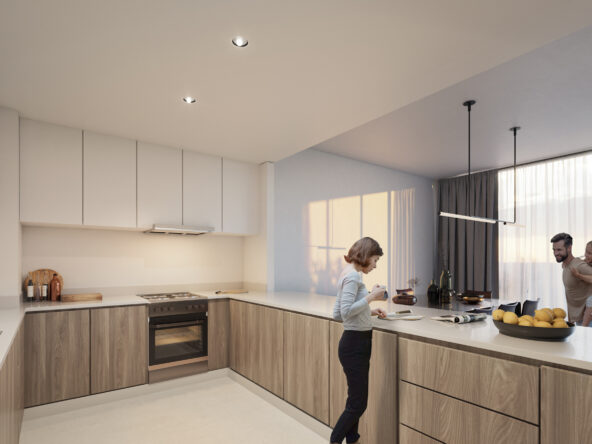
(576, 290)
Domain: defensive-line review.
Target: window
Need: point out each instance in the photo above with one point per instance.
(551, 197)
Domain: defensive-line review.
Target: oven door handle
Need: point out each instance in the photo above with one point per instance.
(177, 324)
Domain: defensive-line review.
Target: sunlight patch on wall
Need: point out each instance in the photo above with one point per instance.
(335, 224)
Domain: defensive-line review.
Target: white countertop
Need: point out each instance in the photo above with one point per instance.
(575, 351)
(10, 321)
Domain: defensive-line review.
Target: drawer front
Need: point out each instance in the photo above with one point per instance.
(456, 422)
(410, 436)
(504, 386)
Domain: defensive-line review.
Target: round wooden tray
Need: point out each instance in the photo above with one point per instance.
(40, 277)
(537, 333)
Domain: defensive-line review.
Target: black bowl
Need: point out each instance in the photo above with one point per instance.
(537, 333)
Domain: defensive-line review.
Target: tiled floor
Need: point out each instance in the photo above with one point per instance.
(213, 409)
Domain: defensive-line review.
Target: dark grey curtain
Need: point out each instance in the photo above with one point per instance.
(469, 249)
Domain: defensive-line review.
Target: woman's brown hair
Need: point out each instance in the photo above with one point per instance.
(362, 251)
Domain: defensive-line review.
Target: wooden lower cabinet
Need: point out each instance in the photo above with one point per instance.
(456, 422)
(566, 407)
(306, 364)
(410, 436)
(379, 423)
(257, 344)
(218, 334)
(498, 384)
(57, 356)
(119, 347)
(12, 385)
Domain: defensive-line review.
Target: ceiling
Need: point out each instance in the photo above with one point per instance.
(547, 92)
(312, 69)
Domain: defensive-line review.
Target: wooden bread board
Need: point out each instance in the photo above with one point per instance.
(82, 297)
(232, 291)
(42, 276)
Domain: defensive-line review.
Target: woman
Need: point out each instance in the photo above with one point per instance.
(586, 278)
(353, 309)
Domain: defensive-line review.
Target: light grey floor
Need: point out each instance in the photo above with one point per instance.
(216, 410)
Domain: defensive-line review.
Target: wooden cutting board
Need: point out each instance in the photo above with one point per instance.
(232, 291)
(40, 277)
(82, 297)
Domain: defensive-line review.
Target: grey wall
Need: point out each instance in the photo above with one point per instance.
(312, 176)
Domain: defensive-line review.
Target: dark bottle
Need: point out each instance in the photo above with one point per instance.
(446, 287)
(55, 288)
(433, 294)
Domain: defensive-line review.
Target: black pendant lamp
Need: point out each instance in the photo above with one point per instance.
(468, 104)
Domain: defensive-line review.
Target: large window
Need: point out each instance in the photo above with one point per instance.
(552, 197)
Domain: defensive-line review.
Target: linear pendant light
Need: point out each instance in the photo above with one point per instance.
(469, 104)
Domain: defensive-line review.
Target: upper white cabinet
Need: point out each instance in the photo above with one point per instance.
(240, 197)
(109, 181)
(50, 173)
(160, 185)
(202, 190)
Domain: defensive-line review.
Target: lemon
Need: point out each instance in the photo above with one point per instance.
(528, 318)
(545, 315)
(548, 310)
(510, 317)
(497, 315)
(560, 324)
(542, 324)
(525, 323)
(559, 313)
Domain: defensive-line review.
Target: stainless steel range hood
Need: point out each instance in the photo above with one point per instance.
(179, 229)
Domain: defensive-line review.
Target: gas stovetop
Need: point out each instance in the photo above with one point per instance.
(171, 297)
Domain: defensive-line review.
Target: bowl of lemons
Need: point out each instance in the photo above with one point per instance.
(547, 324)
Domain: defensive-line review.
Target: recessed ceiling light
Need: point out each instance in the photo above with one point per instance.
(189, 99)
(239, 41)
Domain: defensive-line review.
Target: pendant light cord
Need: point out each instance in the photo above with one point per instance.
(469, 104)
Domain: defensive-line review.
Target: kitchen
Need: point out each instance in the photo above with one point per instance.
(276, 208)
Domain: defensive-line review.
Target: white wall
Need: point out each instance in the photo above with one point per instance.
(116, 261)
(10, 229)
(313, 179)
(258, 267)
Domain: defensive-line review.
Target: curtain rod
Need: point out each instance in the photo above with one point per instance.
(547, 159)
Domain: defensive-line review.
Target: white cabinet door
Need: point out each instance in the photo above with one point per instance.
(159, 185)
(202, 190)
(109, 181)
(240, 197)
(50, 173)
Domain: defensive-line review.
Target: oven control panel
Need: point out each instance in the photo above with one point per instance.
(179, 307)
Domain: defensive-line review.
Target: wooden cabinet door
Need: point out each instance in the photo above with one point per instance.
(242, 336)
(379, 423)
(453, 421)
(109, 181)
(202, 190)
(473, 377)
(160, 186)
(50, 173)
(241, 197)
(12, 388)
(119, 347)
(306, 365)
(410, 436)
(381, 415)
(267, 358)
(218, 333)
(57, 346)
(566, 406)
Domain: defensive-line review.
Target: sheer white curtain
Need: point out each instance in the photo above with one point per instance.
(552, 197)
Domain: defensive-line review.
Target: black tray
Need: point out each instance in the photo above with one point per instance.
(537, 333)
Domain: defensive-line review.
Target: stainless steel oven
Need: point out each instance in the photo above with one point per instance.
(178, 335)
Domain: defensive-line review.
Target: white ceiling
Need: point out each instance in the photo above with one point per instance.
(547, 92)
(312, 70)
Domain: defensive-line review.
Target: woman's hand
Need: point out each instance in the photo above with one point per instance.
(377, 294)
(379, 312)
(576, 273)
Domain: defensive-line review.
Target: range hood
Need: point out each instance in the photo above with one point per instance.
(185, 230)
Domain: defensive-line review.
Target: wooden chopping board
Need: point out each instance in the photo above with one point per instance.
(82, 297)
(40, 277)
